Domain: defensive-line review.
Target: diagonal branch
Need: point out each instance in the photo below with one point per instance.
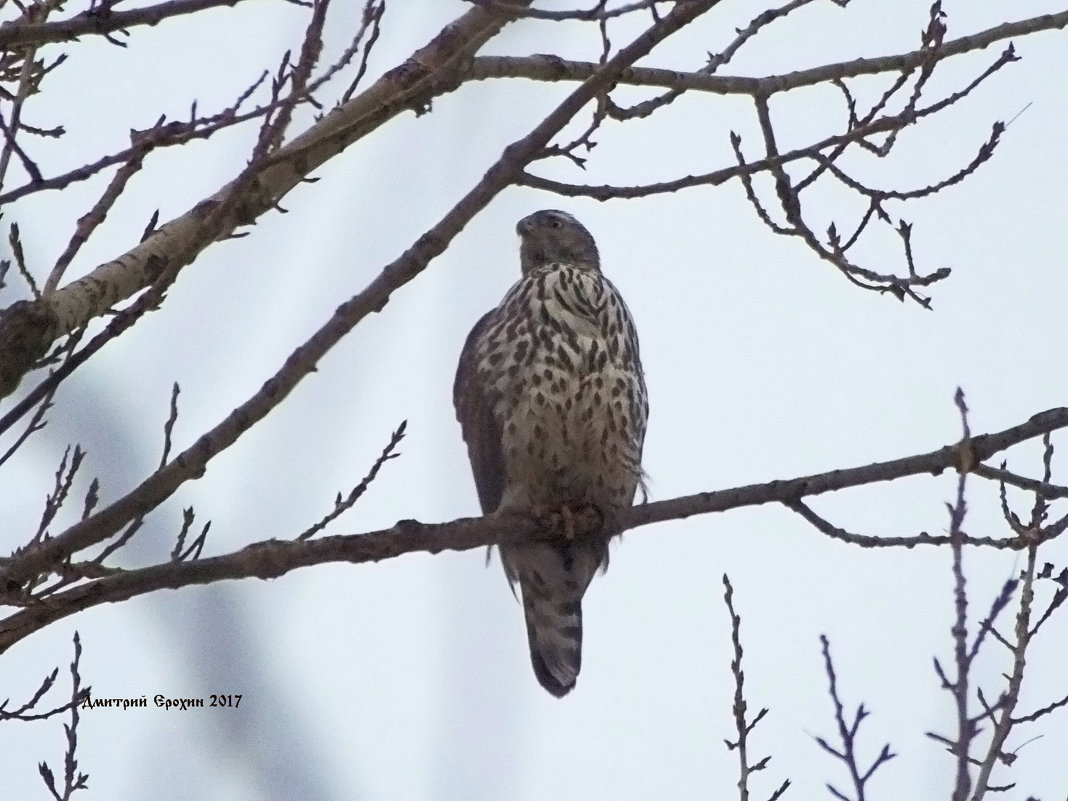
(192, 462)
(28, 329)
(21, 34)
(274, 558)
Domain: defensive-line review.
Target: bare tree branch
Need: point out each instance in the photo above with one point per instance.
(597, 13)
(58, 574)
(1042, 488)
(342, 505)
(274, 558)
(743, 727)
(27, 329)
(94, 22)
(846, 751)
(191, 463)
(966, 729)
(551, 68)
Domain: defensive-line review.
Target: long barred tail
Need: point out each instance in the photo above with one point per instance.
(552, 581)
(554, 632)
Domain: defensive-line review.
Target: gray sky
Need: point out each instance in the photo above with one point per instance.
(410, 679)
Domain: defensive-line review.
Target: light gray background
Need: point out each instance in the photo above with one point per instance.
(410, 679)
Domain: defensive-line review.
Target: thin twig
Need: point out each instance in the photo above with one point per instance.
(959, 687)
(742, 726)
(342, 505)
(846, 752)
(191, 463)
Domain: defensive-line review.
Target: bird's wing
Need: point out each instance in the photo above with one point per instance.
(482, 433)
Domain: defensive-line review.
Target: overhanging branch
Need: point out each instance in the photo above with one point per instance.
(192, 462)
(99, 23)
(552, 68)
(29, 328)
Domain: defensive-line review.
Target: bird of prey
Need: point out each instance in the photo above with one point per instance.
(551, 399)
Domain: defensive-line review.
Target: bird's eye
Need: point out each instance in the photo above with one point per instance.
(556, 222)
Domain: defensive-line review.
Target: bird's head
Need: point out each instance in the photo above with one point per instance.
(555, 236)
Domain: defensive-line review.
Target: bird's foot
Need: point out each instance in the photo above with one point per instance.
(570, 522)
(590, 519)
(567, 522)
(558, 521)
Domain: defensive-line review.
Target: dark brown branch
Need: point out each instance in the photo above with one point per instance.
(715, 61)
(934, 462)
(824, 526)
(342, 505)
(275, 558)
(846, 753)
(1039, 713)
(21, 34)
(986, 150)
(28, 329)
(966, 728)
(598, 13)
(161, 134)
(191, 463)
(1041, 488)
(721, 176)
(1011, 696)
(373, 11)
(11, 145)
(73, 779)
(551, 68)
(742, 725)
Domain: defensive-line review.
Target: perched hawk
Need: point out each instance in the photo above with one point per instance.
(550, 395)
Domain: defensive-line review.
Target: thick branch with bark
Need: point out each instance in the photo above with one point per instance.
(29, 328)
(192, 462)
(53, 577)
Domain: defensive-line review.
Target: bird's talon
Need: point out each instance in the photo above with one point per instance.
(595, 518)
(567, 523)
